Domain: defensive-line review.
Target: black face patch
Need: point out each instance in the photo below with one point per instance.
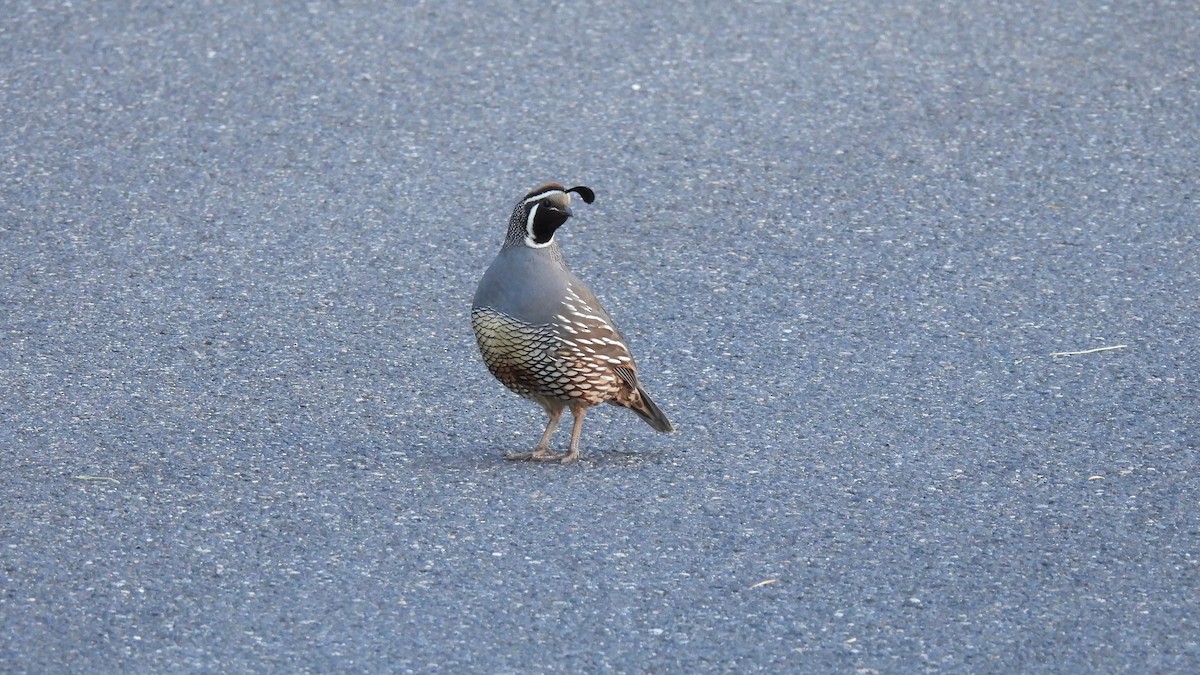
(546, 219)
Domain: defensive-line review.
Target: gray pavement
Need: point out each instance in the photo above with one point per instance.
(245, 427)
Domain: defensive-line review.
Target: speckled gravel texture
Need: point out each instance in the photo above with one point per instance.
(244, 425)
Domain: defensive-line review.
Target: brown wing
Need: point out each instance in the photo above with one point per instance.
(595, 333)
(591, 345)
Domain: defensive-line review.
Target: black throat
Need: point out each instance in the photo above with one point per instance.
(546, 220)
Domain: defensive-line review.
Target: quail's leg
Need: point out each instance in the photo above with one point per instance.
(541, 453)
(576, 428)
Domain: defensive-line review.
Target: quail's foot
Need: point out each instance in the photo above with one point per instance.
(538, 455)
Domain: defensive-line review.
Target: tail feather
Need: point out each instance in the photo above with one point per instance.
(654, 416)
(636, 399)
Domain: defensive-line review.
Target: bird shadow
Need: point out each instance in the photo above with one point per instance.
(494, 458)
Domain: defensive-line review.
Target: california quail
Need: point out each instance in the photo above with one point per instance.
(543, 333)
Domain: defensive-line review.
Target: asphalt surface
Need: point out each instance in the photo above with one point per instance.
(245, 428)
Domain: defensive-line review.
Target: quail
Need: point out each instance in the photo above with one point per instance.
(542, 332)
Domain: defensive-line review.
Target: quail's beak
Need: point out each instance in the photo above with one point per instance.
(562, 204)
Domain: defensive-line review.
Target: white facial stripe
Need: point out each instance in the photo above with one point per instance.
(530, 241)
(542, 195)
